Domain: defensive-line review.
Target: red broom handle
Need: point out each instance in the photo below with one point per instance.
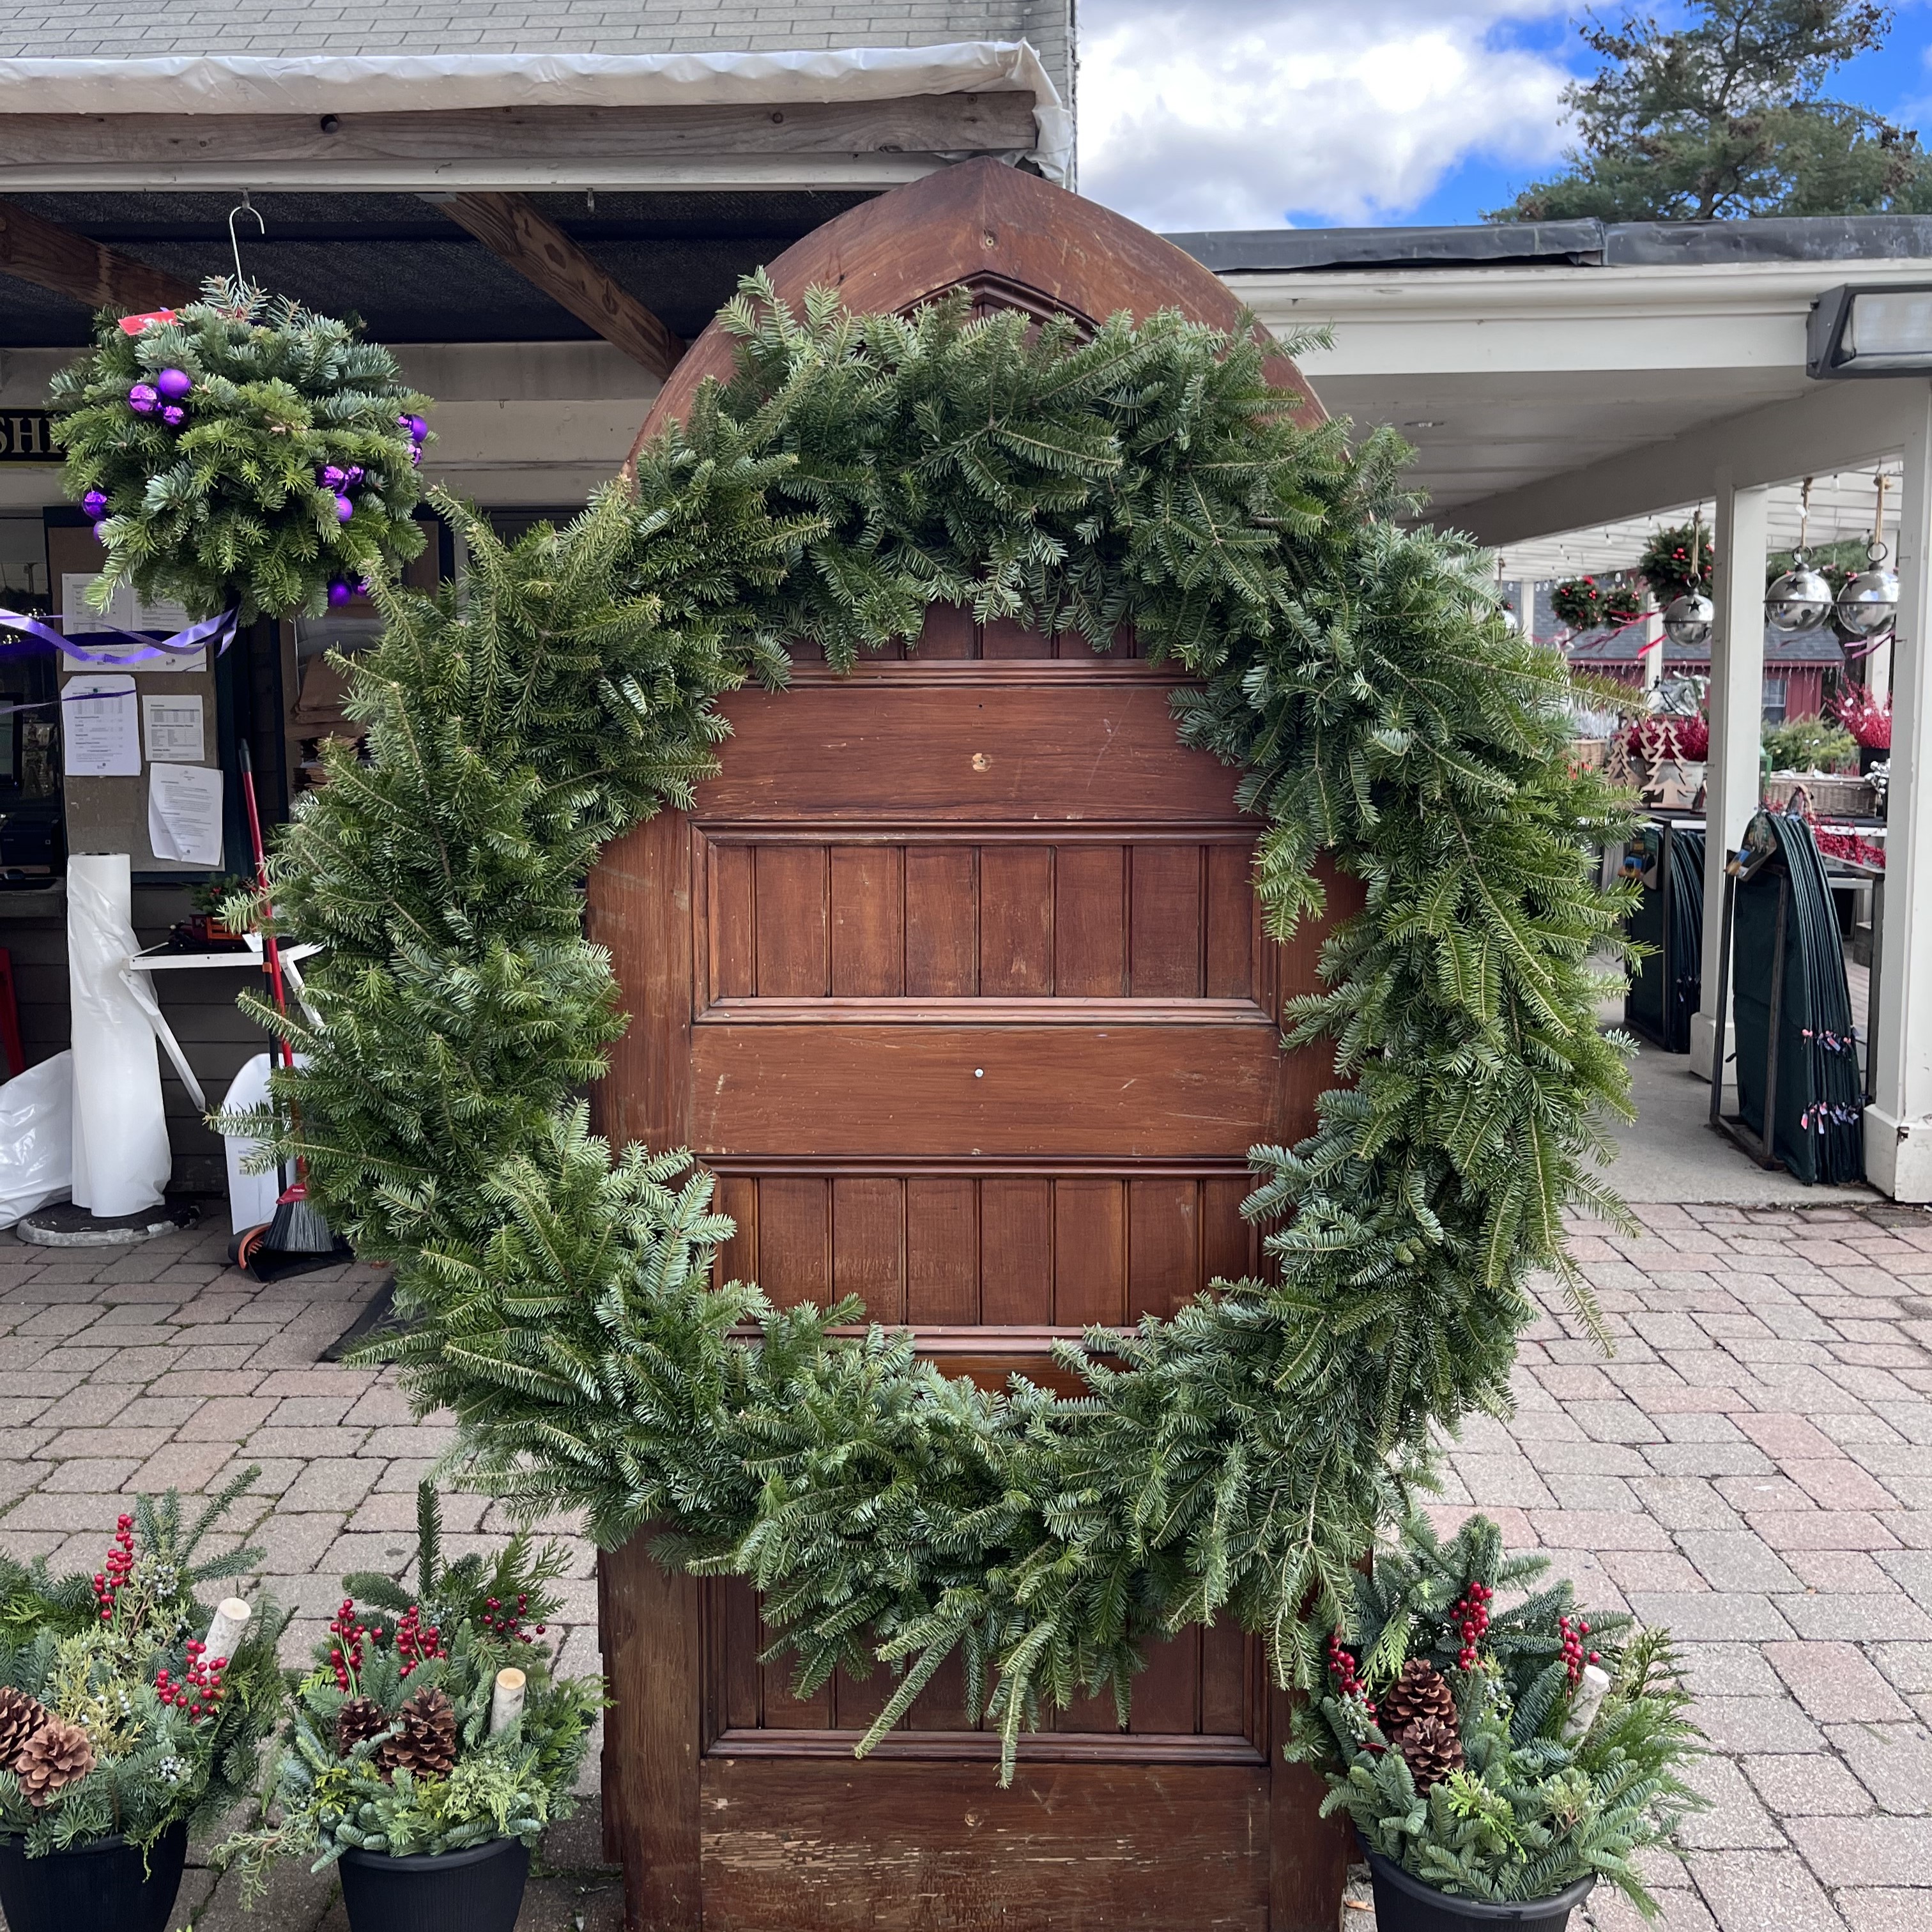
(268, 940)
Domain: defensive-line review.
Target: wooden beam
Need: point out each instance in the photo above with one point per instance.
(921, 124)
(52, 257)
(544, 256)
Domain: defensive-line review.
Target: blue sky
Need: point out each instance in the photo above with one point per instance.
(1250, 113)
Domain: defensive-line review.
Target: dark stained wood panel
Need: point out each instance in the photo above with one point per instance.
(954, 975)
(1071, 1847)
(1148, 1088)
(1008, 744)
(1015, 1250)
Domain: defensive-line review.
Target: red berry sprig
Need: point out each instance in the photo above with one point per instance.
(1470, 1616)
(1573, 1657)
(345, 1655)
(1342, 1667)
(507, 1625)
(414, 1644)
(119, 1566)
(199, 1692)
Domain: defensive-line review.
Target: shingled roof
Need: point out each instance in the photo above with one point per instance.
(137, 29)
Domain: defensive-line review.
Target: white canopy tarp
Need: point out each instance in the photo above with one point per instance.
(405, 83)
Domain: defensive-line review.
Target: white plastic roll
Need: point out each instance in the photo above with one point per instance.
(228, 1630)
(251, 1197)
(122, 1159)
(506, 1700)
(1590, 1694)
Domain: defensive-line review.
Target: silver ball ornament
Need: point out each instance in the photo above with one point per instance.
(1801, 600)
(1689, 620)
(1868, 605)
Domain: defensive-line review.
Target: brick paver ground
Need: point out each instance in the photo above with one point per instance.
(1754, 1468)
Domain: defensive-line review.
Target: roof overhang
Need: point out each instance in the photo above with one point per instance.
(1543, 398)
(861, 118)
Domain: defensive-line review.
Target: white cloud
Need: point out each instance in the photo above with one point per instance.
(1225, 113)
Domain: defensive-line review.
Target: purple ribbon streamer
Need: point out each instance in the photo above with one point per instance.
(219, 629)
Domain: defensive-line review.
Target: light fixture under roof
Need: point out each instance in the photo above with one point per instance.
(1876, 330)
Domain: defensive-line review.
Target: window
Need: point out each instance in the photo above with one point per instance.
(1774, 699)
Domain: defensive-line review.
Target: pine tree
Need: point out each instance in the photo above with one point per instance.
(1725, 115)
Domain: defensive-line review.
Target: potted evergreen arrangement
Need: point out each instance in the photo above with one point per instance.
(130, 1714)
(1499, 1751)
(431, 1744)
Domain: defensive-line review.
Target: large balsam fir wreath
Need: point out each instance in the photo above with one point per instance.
(1234, 1460)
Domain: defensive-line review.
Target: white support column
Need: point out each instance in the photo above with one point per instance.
(1652, 656)
(1898, 1124)
(1737, 713)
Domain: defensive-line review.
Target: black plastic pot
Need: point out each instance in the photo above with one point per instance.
(479, 1891)
(106, 1883)
(1406, 1904)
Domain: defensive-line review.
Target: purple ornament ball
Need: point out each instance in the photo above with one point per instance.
(333, 478)
(356, 473)
(418, 430)
(144, 399)
(95, 503)
(338, 594)
(415, 457)
(174, 416)
(100, 532)
(174, 383)
(344, 509)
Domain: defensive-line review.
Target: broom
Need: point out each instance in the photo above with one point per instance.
(297, 1226)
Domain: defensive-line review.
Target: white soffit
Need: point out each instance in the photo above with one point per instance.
(1504, 378)
(1842, 509)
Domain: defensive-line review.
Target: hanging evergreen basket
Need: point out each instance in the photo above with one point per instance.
(1232, 1461)
(242, 452)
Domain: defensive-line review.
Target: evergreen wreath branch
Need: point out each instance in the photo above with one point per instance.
(1233, 1460)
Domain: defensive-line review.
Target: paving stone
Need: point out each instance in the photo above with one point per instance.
(1736, 1818)
(1789, 1530)
(1689, 1502)
(1869, 1618)
(1715, 1615)
(1893, 1762)
(1757, 1724)
(333, 1482)
(1885, 1909)
(1872, 1851)
(1759, 1891)
(1835, 1682)
(1731, 1559)
(1807, 1785)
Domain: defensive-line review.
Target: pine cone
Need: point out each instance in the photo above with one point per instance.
(1420, 1692)
(359, 1718)
(55, 1755)
(20, 1717)
(426, 1745)
(1432, 1750)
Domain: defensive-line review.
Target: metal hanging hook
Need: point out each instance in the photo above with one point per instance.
(243, 207)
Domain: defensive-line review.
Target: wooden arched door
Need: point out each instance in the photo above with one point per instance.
(954, 976)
